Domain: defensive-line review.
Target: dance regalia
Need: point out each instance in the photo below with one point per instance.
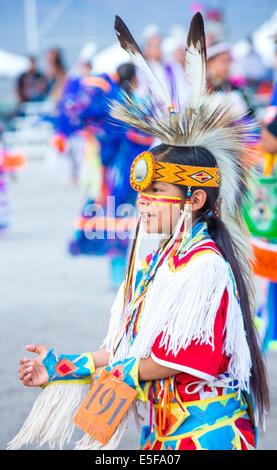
(261, 218)
(73, 134)
(102, 167)
(9, 164)
(179, 305)
(4, 206)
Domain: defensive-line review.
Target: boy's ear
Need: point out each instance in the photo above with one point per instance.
(198, 199)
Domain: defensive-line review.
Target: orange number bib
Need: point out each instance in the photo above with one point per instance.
(104, 407)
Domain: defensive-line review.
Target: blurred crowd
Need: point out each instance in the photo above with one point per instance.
(37, 85)
(250, 78)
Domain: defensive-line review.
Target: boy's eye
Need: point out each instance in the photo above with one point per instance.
(157, 188)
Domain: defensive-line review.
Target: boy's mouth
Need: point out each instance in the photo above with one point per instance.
(146, 216)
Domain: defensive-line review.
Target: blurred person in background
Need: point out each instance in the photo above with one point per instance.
(269, 146)
(214, 24)
(261, 218)
(219, 60)
(85, 68)
(86, 58)
(153, 53)
(269, 137)
(266, 90)
(31, 85)
(4, 201)
(10, 163)
(272, 109)
(174, 48)
(215, 31)
(106, 151)
(55, 73)
(118, 146)
(253, 66)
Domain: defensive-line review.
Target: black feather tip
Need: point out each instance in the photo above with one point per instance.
(196, 33)
(124, 36)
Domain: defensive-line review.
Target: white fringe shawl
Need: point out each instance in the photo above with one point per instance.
(51, 417)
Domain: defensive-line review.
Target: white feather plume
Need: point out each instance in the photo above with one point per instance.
(195, 63)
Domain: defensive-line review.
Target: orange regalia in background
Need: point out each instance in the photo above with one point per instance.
(260, 214)
(10, 162)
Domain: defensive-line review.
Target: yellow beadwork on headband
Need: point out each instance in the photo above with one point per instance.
(142, 171)
(145, 170)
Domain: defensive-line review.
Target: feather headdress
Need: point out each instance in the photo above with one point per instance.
(200, 121)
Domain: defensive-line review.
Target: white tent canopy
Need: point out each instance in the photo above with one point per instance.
(11, 65)
(109, 59)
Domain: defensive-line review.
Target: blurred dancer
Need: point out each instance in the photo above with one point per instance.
(253, 67)
(31, 85)
(219, 80)
(269, 139)
(10, 162)
(153, 53)
(4, 202)
(174, 48)
(215, 29)
(55, 73)
(118, 145)
(264, 226)
(261, 218)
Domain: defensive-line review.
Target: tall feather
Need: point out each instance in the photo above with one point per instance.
(129, 44)
(195, 62)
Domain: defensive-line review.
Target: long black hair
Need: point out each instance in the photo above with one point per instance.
(198, 156)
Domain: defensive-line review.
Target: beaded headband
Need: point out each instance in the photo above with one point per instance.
(145, 170)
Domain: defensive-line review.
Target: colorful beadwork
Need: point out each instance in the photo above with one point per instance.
(145, 169)
(76, 367)
(219, 423)
(142, 171)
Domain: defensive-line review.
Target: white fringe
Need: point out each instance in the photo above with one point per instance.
(235, 345)
(183, 305)
(51, 417)
(116, 320)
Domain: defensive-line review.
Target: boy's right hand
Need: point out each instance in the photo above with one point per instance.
(32, 371)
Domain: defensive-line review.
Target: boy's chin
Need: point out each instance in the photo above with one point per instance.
(152, 228)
